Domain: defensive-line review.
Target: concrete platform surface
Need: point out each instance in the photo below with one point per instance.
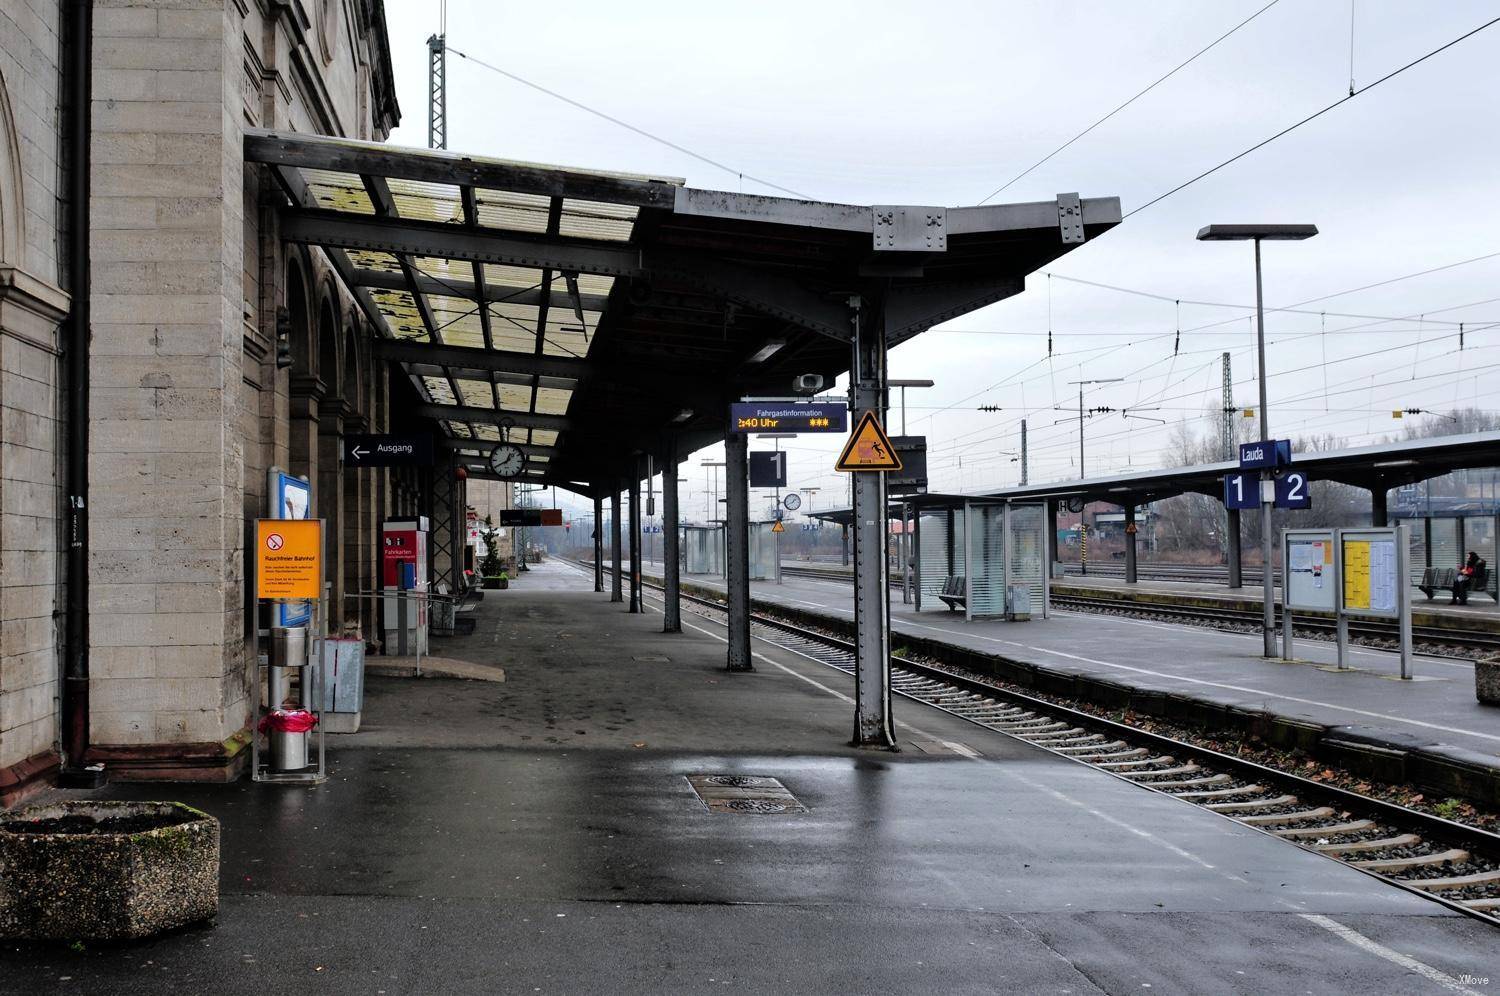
(541, 835)
(1368, 699)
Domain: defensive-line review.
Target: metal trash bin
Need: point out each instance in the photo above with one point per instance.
(288, 731)
(288, 652)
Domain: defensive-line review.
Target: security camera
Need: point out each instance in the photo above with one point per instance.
(807, 383)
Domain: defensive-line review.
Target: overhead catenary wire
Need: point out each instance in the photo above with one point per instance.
(1312, 117)
(580, 105)
(1152, 86)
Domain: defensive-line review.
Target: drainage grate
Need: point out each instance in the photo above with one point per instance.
(748, 795)
(652, 659)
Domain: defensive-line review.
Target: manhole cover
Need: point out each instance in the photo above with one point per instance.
(756, 806)
(745, 794)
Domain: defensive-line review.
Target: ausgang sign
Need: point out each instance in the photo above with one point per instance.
(288, 558)
(387, 451)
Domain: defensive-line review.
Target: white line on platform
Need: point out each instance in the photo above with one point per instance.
(1364, 943)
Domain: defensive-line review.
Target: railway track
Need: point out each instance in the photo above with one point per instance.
(1377, 633)
(1453, 864)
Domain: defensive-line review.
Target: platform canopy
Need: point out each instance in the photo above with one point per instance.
(1379, 467)
(594, 313)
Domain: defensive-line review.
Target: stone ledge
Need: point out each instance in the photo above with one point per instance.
(26, 778)
(224, 761)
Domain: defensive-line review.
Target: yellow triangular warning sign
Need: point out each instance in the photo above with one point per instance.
(869, 448)
(778, 527)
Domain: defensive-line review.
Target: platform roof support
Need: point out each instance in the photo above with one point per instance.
(635, 543)
(1232, 548)
(670, 557)
(1379, 514)
(598, 543)
(737, 548)
(873, 724)
(1130, 574)
(616, 581)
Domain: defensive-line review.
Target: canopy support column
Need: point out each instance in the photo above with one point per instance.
(635, 541)
(616, 582)
(1130, 576)
(670, 557)
(844, 543)
(598, 544)
(1232, 547)
(1379, 510)
(737, 543)
(873, 724)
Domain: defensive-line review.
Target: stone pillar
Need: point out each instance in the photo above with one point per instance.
(671, 563)
(352, 538)
(1130, 574)
(737, 549)
(167, 467)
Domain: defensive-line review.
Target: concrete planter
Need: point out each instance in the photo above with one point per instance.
(1487, 681)
(106, 870)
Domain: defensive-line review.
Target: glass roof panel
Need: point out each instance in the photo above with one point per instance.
(476, 392)
(418, 200)
(596, 220)
(449, 270)
(400, 313)
(497, 275)
(552, 400)
(373, 259)
(515, 398)
(595, 283)
(506, 209)
(338, 191)
(439, 390)
(456, 320)
(489, 433)
(543, 437)
(566, 338)
(459, 429)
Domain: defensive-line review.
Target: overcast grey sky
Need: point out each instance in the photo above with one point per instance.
(943, 102)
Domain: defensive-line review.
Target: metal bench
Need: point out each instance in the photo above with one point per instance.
(954, 593)
(1436, 579)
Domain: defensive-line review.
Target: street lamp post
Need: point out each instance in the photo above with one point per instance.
(1258, 234)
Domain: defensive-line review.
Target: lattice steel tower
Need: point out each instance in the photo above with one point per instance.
(437, 90)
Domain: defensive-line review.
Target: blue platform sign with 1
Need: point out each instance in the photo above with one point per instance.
(291, 498)
(1241, 491)
(1292, 490)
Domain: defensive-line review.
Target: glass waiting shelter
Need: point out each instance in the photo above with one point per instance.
(991, 552)
(703, 550)
(1444, 537)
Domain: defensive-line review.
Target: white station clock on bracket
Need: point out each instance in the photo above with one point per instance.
(507, 460)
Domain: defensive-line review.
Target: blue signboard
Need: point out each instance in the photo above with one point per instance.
(1241, 491)
(1292, 491)
(291, 498)
(1266, 453)
(788, 416)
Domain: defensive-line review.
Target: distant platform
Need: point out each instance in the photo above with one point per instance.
(549, 833)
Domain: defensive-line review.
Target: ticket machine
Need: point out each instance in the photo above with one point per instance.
(405, 585)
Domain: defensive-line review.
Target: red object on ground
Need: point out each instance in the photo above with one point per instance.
(288, 721)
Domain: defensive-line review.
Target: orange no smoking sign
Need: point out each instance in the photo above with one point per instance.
(288, 558)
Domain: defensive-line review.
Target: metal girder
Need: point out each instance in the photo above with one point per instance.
(489, 416)
(562, 367)
(366, 158)
(914, 309)
(479, 449)
(1032, 214)
(764, 292)
(773, 210)
(469, 290)
(419, 238)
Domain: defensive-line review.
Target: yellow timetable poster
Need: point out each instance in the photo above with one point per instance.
(1356, 574)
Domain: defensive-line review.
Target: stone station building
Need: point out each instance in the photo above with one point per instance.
(217, 353)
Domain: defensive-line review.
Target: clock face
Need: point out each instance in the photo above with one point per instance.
(507, 460)
(792, 501)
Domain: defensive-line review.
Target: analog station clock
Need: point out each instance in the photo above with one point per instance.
(506, 460)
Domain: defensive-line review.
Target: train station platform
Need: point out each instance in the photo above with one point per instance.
(1480, 615)
(543, 834)
(1429, 731)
